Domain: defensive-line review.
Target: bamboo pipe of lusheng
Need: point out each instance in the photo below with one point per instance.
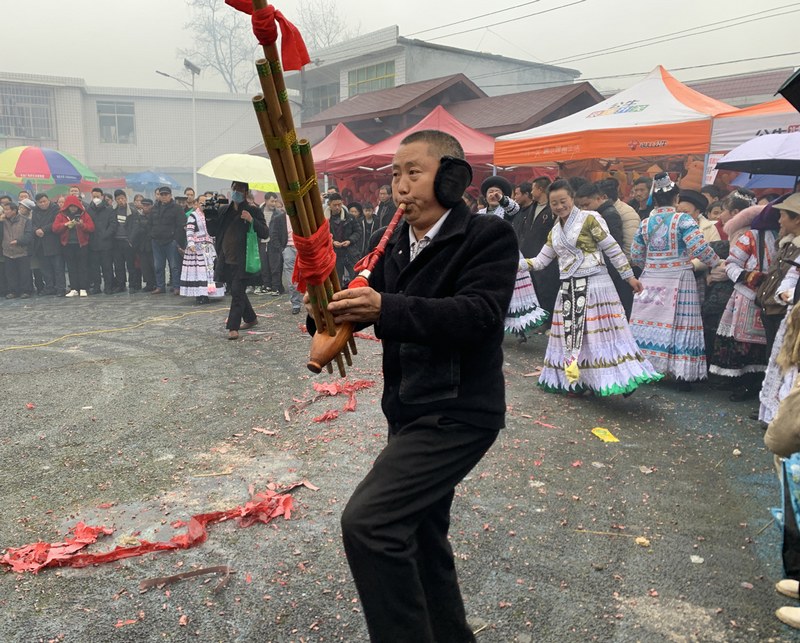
(294, 169)
(297, 215)
(324, 348)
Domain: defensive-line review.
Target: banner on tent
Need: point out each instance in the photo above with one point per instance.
(711, 168)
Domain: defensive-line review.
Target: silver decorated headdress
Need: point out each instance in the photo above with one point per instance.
(744, 197)
(663, 183)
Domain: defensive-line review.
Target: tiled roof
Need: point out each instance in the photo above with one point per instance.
(396, 100)
(726, 88)
(523, 110)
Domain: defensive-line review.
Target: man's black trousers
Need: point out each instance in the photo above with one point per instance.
(395, 532)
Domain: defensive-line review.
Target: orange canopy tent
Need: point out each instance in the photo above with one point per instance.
(478, 147)
(340, 142)
(658, 116)
(731, 129)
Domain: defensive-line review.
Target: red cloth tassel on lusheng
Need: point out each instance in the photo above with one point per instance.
(293, 49)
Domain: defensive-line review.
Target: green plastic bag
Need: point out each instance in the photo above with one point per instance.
(252, 260)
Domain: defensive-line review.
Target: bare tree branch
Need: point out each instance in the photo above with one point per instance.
(322, 24)
(223, 43)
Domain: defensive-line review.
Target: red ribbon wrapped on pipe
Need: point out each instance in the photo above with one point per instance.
(316, 258)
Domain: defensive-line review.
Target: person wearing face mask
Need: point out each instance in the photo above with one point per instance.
(166, 225)
(229, 226)
(101, 244)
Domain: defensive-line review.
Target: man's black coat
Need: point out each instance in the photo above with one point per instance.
(105, 227)
(441, 320)
(50, 244)
(229, 221)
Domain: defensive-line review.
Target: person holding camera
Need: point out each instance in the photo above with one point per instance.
(229, 224)
(74, 226)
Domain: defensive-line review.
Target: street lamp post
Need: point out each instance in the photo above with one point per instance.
(194, 70)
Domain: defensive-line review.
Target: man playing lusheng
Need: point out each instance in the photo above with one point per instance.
(437, 299)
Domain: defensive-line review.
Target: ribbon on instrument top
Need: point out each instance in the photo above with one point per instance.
(265, 27)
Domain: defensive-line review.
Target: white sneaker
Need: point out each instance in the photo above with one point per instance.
(72, 293)
(789, 615)
(84, 293)
(249, 290)
(788, 587)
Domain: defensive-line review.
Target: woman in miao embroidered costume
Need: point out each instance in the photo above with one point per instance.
(666, 321)
(740, 343)
(197, 271)
(591, 347)
(524, 313)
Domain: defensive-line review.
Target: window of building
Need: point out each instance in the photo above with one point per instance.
(26, 111)
(117, 122)
(320, 98)
(371, 78)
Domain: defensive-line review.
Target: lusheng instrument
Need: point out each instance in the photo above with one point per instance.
(292, 161)
(324, 346)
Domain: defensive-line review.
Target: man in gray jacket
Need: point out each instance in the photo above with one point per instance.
(17, 241)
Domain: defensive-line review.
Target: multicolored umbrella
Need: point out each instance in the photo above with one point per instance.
(43, 166)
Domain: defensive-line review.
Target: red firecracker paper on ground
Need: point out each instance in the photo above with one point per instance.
(332, 414)
(346, 388)
(262, 507)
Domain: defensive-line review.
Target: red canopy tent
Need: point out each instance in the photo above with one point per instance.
(340, 142)
(478, 147)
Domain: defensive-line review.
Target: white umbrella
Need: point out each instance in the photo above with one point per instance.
(246, 168)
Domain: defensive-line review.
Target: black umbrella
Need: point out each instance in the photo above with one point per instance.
(768, 154)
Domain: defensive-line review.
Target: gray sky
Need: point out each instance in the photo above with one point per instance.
(109, 42)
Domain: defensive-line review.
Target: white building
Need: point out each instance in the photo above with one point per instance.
(118, 131)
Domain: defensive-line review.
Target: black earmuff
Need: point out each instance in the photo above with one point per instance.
(452, 179)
